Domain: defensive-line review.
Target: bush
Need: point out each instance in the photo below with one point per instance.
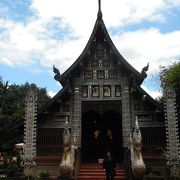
(43, 174)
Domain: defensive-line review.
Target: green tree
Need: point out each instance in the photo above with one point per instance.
(12, 105)
(3, 94)
(12, 110)
(171, 76)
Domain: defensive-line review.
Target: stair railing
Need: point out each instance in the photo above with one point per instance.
(67, 165)
(136, 159)
(77, 163)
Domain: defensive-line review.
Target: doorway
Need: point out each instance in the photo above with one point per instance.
(101, 132)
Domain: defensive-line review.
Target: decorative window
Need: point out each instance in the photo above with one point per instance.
(88, 74)
(137, 107)
(99, 46)
(84, 91)
(106, 59)
(148, 107)
(106, 91)
(59, 118)
(100, 63)
(101, 74)
(112, 74)
(118, 91)
(95, 91)
(100, 53)
(106, 63)
(66, 108)
(95, 63)
(144, 117)
(61, 108)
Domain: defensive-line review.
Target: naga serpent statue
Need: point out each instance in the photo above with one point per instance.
(135, 143)
(68, 158)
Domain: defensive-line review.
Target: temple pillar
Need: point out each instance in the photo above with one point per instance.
(173, 149)
(126, 114)
(76, 117)
(29, 148)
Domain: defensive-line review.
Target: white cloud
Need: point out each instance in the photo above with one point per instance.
(7, 61)
(150, 45)
(79, 15)
(24, 44)
(82, 13)
(51, 93)
(175, 2)
(133, 11)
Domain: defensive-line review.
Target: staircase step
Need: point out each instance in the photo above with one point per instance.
(94, 171)
(98, 173)
(48, 163)
(100, 178)
(48, 160)
(53, 170)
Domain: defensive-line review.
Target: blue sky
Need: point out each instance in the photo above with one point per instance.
(35, 34)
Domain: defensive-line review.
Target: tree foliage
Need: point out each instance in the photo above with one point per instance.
(12, 111)
(12, 100)
(171, 76)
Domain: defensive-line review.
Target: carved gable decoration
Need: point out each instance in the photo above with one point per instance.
(100, 54)
(100, 63)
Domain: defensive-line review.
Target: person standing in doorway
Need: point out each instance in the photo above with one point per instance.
(109, 166)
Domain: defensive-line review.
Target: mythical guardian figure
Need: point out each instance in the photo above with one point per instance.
(68, 158)
(135, 143)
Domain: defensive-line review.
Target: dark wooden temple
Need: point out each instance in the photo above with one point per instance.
(100, 97)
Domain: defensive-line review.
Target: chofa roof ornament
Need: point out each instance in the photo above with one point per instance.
(99, 10)
(57, 73)
(144, 70)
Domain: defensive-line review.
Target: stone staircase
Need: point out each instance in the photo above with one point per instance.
(48, 163)
(94, 171)
(87, 171)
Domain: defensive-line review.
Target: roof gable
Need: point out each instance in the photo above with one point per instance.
(100, 31)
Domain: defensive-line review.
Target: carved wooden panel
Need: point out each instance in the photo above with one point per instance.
(137, 107)
(126, 119)
(102, 106)
(101, 74)
(84, 91)
(113, 74)
(118, 90)
(144, 117)
(95, 91)
(76, 118)
(100, 55)
(107, 91)
(88, 74)
(95, 63)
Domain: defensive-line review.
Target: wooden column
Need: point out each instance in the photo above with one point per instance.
(76, 117)
(126, 116)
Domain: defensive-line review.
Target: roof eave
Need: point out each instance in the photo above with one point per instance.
(54, 99)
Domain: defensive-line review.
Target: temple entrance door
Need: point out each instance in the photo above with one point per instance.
(112, 129)
(91, 125)
(101, 133)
